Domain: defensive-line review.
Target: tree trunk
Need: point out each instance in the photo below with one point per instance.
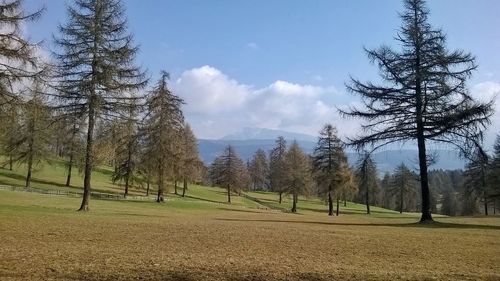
(345, 202)
(485, 204)
(126, 186)
(280, 193)
(70, 166)
(89, 155)
(30, 152)
(367, 200)
(338, 206)
(184, 187)
(175, 186)
(30, 168)
(401, 199)
(294, 202)
(485, 194)
(159, 198)
(129, 169)
(422, 156)
(330, 202)
(11, 161)
(161, 184)
(228, 194)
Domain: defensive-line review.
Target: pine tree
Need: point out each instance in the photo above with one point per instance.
(494, 174)
(127, 152)
(403, 187)
(163, 124)
(298, 177)
(32, 141)
(10, 125)
(329, 162)
(366, 175)
(448, 203)
(259, 170)
(231, 172)
(277, 167)
(96, 71)
(73, 145)
(387, 195)
(424, 99)
(476, 183)
(18, 57)
(190, 159)
(214, 172)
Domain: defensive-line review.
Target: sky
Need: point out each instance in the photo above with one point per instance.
(282, 64)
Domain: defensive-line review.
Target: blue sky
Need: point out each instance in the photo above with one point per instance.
(282, 64)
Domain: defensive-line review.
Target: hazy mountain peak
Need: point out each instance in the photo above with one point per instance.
(252, 133)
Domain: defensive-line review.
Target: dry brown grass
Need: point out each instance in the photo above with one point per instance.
(47, 240)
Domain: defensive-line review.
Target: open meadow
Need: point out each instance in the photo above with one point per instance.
(200, 237)
(249, 140)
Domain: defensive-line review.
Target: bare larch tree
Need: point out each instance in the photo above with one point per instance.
(96, 72)
(298, 176)
(259, 170)
(162, 127)
(424, 97)
(277, 167)
(366, 176)
(328, 161)
(233, 174)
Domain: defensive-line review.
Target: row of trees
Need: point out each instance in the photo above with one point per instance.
(326, 173)
(89, 103)
(482, 181)
(288, 170)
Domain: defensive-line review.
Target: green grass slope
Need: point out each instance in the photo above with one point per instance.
(53, 177)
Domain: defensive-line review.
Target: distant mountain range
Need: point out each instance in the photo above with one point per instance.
(249, 133)
(249, 140)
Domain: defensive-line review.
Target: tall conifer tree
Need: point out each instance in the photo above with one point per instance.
(96, 68)
(424, 97)
(162, 126)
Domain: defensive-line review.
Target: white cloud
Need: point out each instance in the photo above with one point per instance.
(253, 45)
(218, 105)
(207, 90)
(485, 92)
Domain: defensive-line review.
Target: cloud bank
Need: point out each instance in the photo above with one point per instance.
(217, 105)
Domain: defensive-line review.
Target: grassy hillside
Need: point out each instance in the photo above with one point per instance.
(53, 177)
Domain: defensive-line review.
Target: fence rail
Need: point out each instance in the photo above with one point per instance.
(93, 194)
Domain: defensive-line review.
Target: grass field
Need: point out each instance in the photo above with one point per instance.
(202, 238)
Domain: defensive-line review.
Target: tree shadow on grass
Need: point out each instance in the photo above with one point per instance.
(33, 180)
(416, 224)
(266, 203)
(240, 210)
(314, 210)
(204, 199)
